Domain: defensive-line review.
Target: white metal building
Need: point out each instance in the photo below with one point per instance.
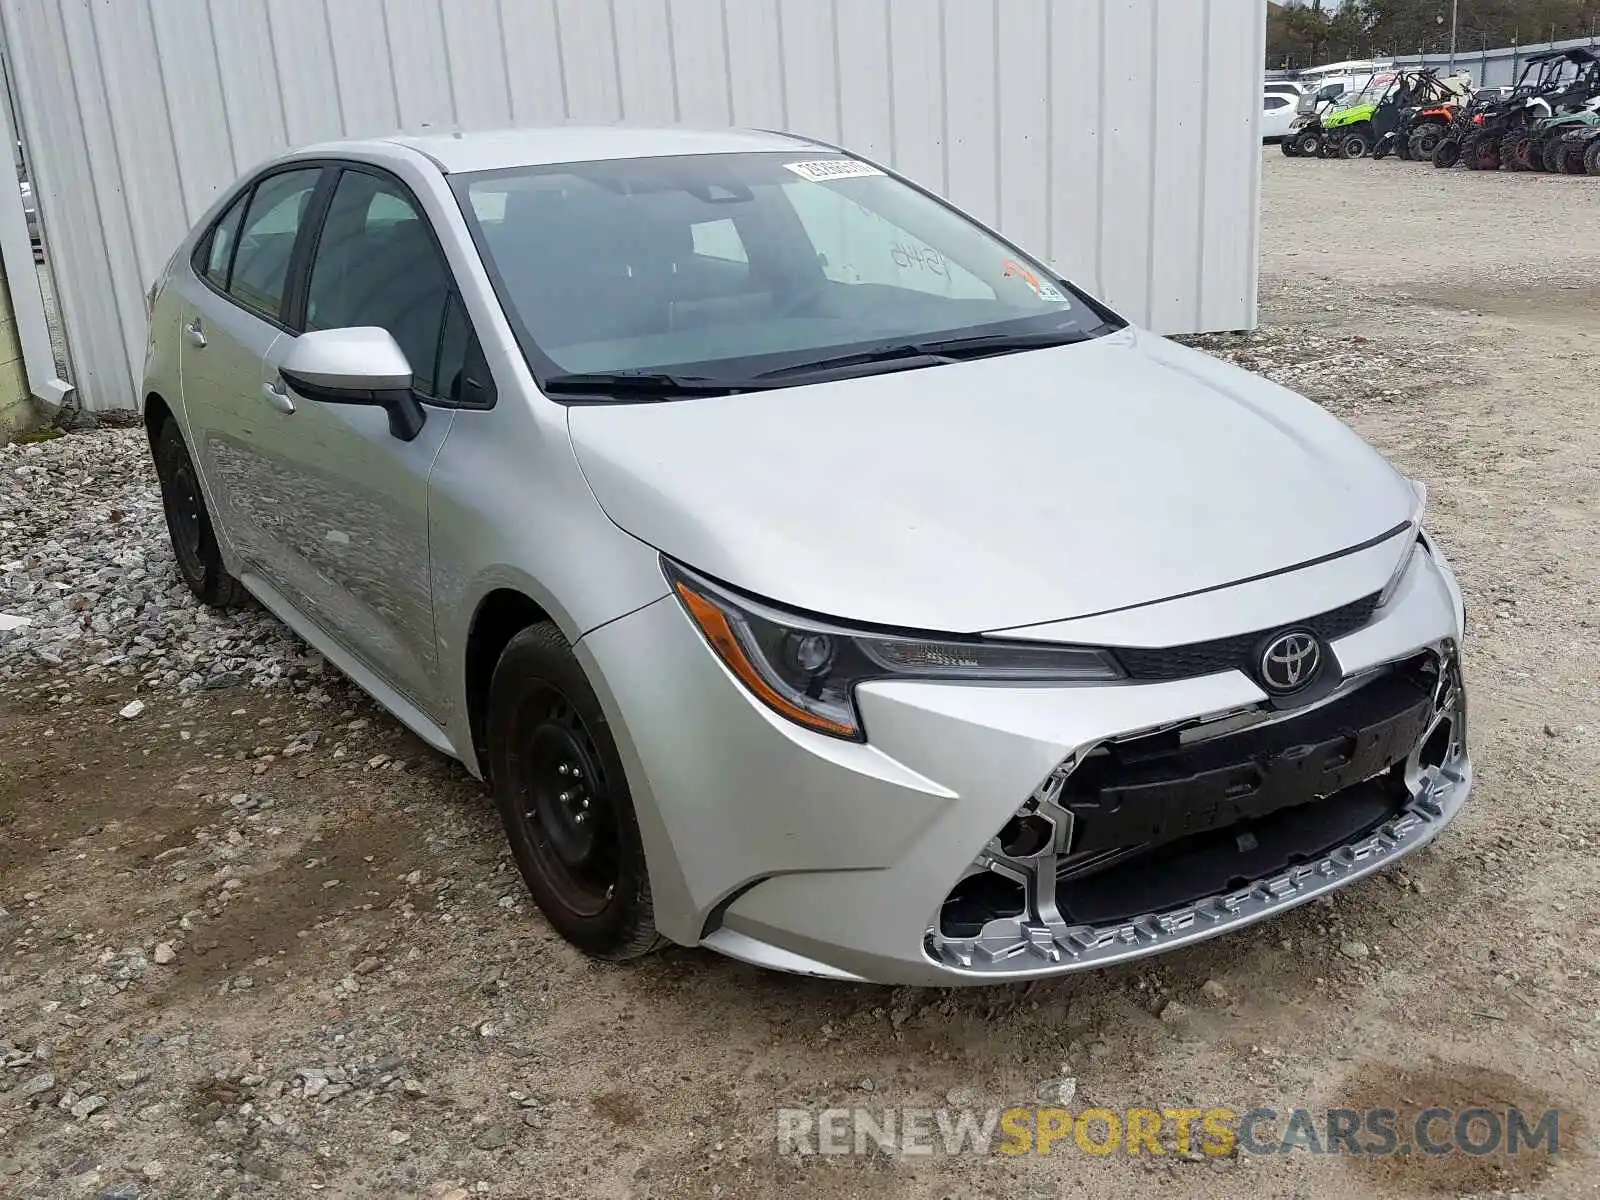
(1117, 138)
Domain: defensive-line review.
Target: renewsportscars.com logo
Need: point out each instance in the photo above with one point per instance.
(1186, 1132)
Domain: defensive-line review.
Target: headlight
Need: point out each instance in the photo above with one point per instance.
(806, 669)
(1413, 544)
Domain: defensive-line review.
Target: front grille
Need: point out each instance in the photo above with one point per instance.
(1159, 788)
(1235, 653)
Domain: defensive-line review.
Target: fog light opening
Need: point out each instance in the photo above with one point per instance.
(979, 899)
(1436, 750)
(1026, 837)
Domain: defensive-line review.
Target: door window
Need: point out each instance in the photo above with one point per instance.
(376, 264)
(266, 242)
(219, 251)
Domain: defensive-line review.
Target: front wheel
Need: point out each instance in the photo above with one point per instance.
(1306, 145)
(1288, 148)
(1447, 152)
(1591, 158)
(564, 801)
(1355, 145)
(1425, 141)
(1516, 153)
(194, 540)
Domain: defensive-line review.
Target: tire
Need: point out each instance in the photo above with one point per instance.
(564, 801)
(1553, 157)
(1482, 153)
(1514, 152)
(1570, 160)
(1402, 149)
(1307, 145)
(1424, 141)
(1355, 145)
(1591, 158)
(1288, 148)
(194, 540)
(1447, 152)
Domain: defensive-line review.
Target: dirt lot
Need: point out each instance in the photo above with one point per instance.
(263, 941)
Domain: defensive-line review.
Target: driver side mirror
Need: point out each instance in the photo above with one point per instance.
(362, 365)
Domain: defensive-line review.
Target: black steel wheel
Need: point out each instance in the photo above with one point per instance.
(1307, 145)
(563, 798)
(1354, 145)
(1425, 140)
(194, 541)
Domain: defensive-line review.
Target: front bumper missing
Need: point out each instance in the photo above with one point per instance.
(1397, 815)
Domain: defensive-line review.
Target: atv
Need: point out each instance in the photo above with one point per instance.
(1575, 105)
(1481, 136)
(1305, 135)
(1347, 131)
(1577, 150)
(1418, 101)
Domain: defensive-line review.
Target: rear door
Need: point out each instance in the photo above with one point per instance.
(352, 553)
(231, 317)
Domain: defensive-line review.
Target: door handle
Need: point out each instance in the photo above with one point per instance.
(278, 396)
(197, 332)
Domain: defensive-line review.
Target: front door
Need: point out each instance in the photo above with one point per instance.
(350, 546)
(232, 314)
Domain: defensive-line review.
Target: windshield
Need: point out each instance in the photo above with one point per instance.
(732, 266)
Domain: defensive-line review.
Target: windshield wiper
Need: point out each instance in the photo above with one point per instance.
(905, 355)
(644, 383)
(1002, 343)
(894, 353)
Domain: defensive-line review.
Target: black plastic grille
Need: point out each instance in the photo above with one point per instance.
(1235, 653)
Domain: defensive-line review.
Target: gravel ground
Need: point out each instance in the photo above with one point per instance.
(254, 937)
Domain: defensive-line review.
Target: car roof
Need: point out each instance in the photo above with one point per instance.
(490, 150)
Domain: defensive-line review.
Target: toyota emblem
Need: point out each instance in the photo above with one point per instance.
(1290, 662)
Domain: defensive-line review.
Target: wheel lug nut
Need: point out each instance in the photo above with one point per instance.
(563, 769)
(565, 797)
(579, 819)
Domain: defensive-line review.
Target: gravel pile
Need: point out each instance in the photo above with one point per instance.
(87, 579)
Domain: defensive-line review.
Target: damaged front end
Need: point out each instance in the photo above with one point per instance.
(1149, 841)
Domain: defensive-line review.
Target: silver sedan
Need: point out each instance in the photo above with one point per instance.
(812, 574)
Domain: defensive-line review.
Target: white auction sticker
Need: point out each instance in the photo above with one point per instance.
(825, 170)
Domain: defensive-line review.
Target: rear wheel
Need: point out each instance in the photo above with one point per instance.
(1552, 155)
(1402, 148)
(1288, 147)
(564, 801)
(1591, 158)
(194, 541)
(1447, 152)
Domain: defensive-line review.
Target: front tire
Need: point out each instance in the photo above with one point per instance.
(563, 798)
(1425, 141)
(1591, 158)
(1306, 145)
(1355, 145)
(194, 540)
(1447, 152)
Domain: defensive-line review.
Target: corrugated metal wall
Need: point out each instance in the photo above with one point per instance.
(1115, 137)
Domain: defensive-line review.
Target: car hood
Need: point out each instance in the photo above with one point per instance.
(991, 494)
